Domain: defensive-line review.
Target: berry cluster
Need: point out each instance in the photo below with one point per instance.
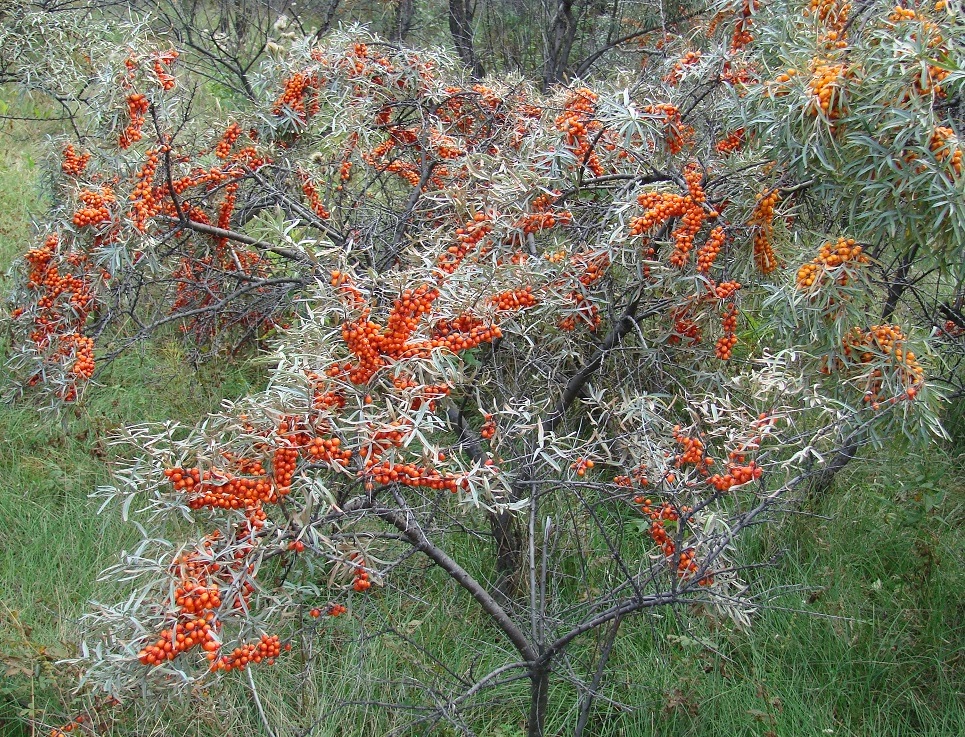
(659, 207)
(468, 238)
(707, 253)
(660, 517)
(725, 344)
(410, 474)
(731, 142)
(297, 91)
(833, 15)
(692, 451)
(145, 202)
(360, 577)
(61, 307)
(314, 200)
(762, 222)
(944, 145)
(737, 472)
(137, 107)
(515, 299)
(675, 74)
(742, 35)
(537, 221)
(827, 89)
(584, 311)
(676, 133)
(162, 63)
(834, 261)
(96, 208)
(578, 122)
(74, 163)
(375, 346)
(228, 140)
(581, 466)
(883, 347)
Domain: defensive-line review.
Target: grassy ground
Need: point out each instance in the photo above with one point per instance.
(870, 642)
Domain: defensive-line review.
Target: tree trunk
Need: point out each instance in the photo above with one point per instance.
(460, 25)
(404, 13)
(509, 550)
(539, 690)
(559, 44)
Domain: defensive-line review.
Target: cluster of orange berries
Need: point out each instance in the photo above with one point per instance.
(266, 649)
(537, 221)
(360, 580)
(515, 299)
(707, 253)
(636, 477)
(944, 144)
(95, 210)
(953, 329)
(374, 345)
(675, 74)
(161, 63)
(227, 142)
(594, 266)
(293, 96)
(468, 238)
(725, 344)
(827, 89)
(488, 429)
(845, 252)
(676, 133)
(581, 466)
(78, 723)
(585, 312)
(899, 14)
(724, 290)
(83, 350)
(222, 490)
(74, 163)
(328, 450)
(75, 351)
(779, 89)
(737, 473)
(137, 107)
(762, 221)
(445, 147)
(283, 463)
(345, 171)
(830, 12)
(684, 327)
(833, 14)
(659, 517)
(577, 121)
(879, 341)
(180, 638)
(409, 474)
(692, 450)
(145, 203)
(662, 206)
(314, 200)
(333, 610)
(731, 142)
(742, 35)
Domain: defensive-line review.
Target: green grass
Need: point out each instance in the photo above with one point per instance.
(870, 641)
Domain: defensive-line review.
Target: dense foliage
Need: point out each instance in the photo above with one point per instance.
(610, 326)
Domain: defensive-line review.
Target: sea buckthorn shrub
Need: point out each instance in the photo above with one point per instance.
(560, 322)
